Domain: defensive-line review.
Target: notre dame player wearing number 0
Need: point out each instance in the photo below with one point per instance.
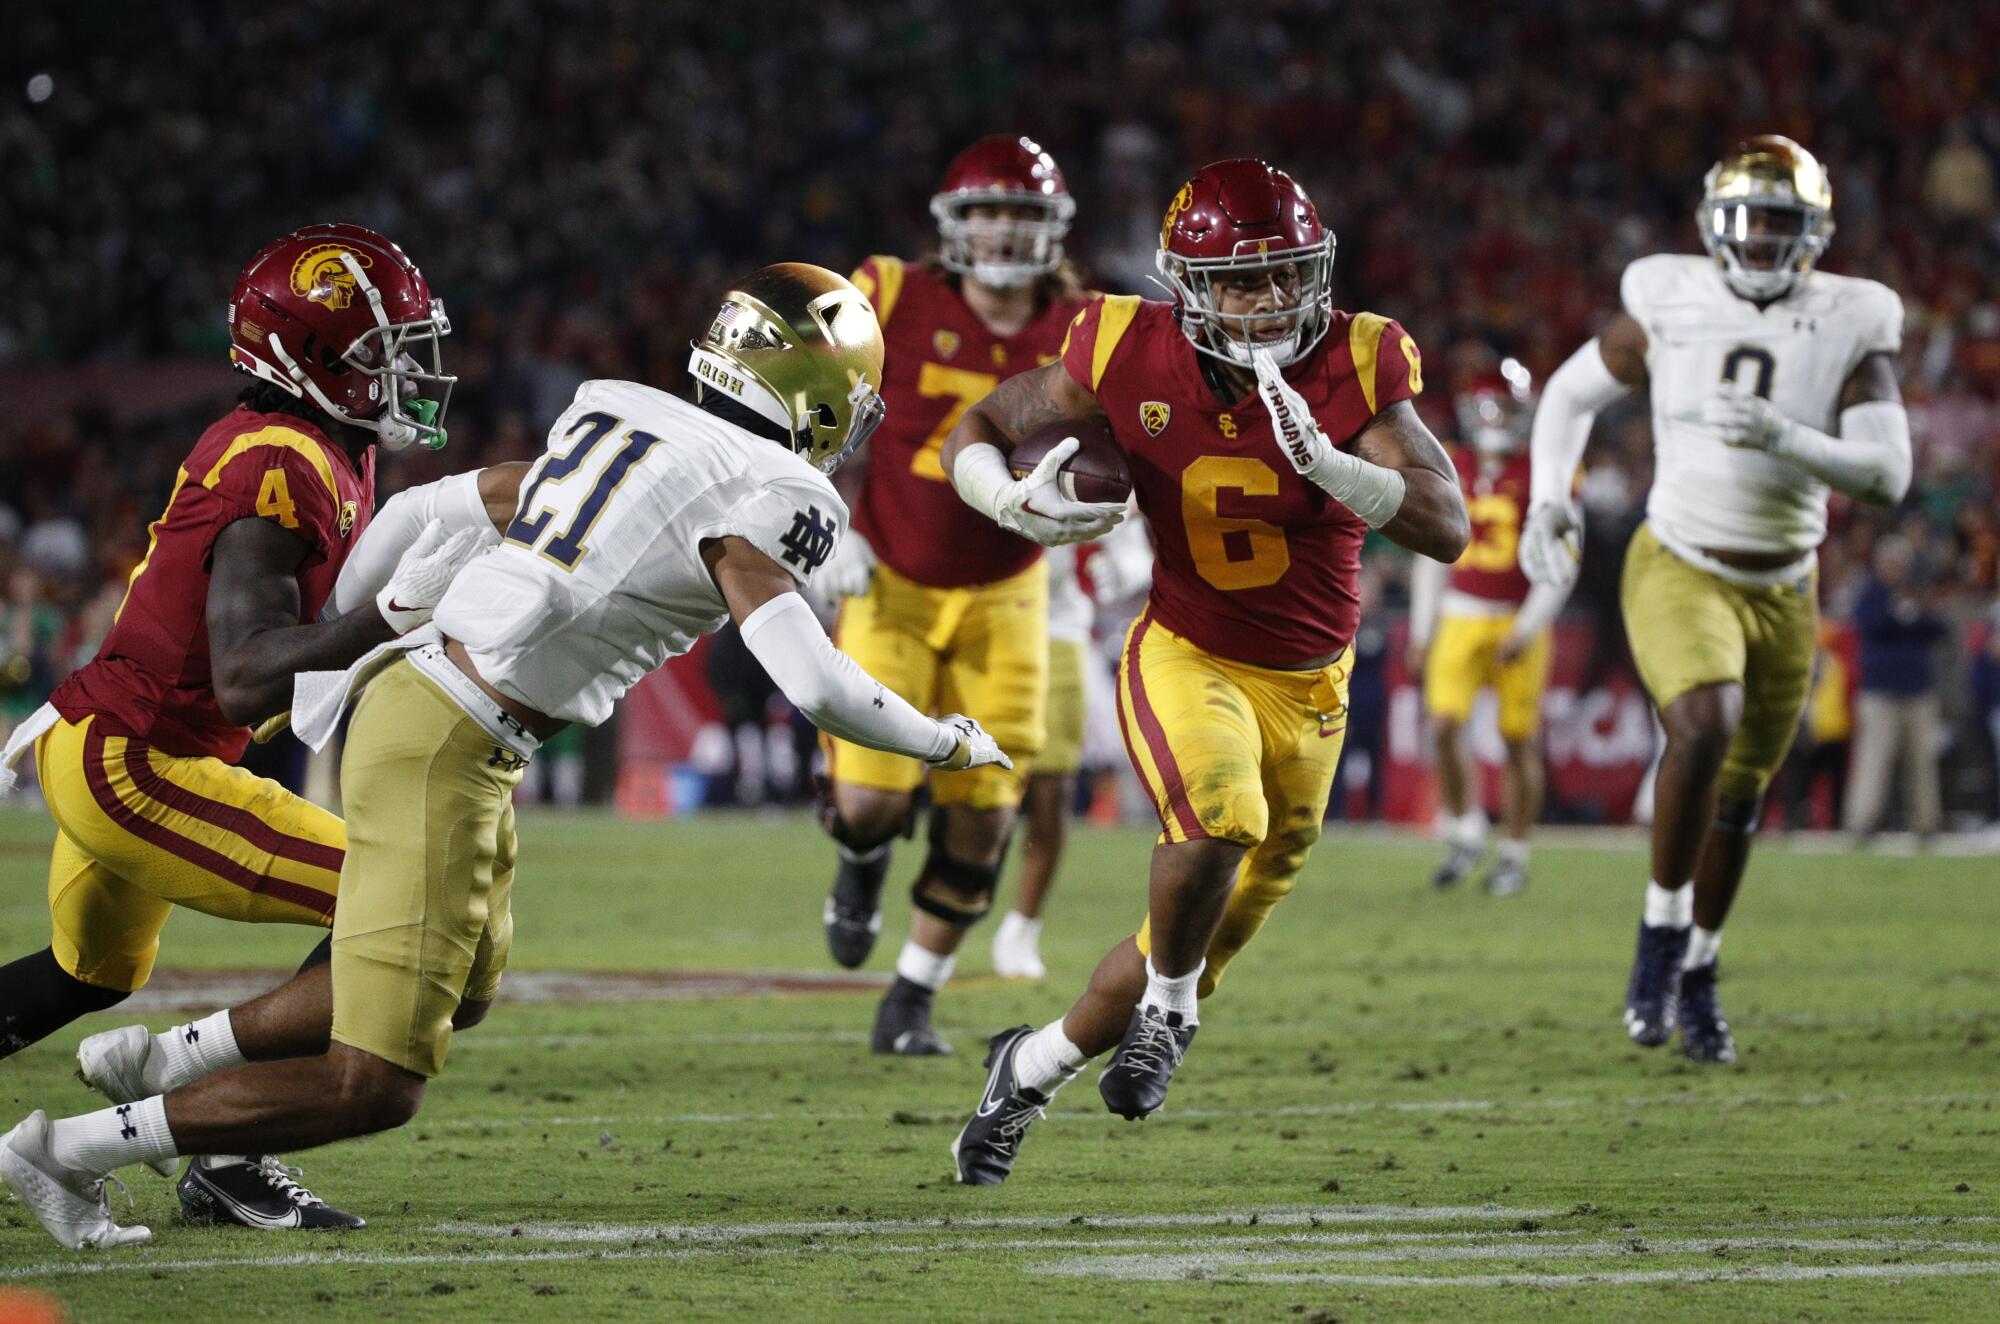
(1772, 383)
(650, 522)
(951, 612)
(1266, 434)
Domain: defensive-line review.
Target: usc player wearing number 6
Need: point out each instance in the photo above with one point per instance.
(649, 522)
(951, 612)
(1772, 383)
(1477, 625)
(1266, 433)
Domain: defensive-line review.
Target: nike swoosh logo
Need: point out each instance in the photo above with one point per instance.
(397, 606)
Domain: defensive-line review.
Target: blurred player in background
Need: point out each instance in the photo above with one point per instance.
(135, 751)
(1494, 634)
(1266, 434)
(1772, 383)
(650, 522)
(950, 611)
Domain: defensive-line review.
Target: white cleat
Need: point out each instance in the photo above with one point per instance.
(1017, 945)
(72, 1205)
(114, 1064)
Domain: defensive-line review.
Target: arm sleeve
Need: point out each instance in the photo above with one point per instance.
(1570, 401)
(454, 500)
(1539, 610)
(1869, 460)
(291, 485)
(831, 689)
(1427, 583)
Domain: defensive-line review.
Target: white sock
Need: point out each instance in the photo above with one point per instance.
(921, 965)
(1046, 1060)
(1669, 908)
(1514, 852)
(188, 1052)
(110, 1138)
(1703, 944)
(1468, 829)
(1176, 994)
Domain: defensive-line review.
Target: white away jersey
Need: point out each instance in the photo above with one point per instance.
(1070, 610)
(599, 578)
(1797, 353)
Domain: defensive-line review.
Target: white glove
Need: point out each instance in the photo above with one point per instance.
(1369, 490)
(1033, 507)
(973, 748)
(847, 572)
(428, 566)
(1745, 421)
(1551, 550)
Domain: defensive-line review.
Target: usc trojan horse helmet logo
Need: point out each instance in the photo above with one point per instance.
(1182, 201)
(321, 275)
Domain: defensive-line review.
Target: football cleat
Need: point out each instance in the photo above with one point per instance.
(72, 1205)
(1705, 1035)
(1134, 1082)
(903, 1023)
(853, 915)
(255, 1192)
(1654, 985)
(1017, 948)
(1506, 878)
(1459, 861)
(985, 1148)
(114, 1064)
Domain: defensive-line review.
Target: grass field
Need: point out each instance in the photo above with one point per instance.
(1401, 1106)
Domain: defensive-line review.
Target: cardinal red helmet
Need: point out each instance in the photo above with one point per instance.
(333, 313)
(1493, 412)
(1250, 225)
(1024, 211)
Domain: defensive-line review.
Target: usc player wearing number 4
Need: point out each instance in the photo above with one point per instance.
(1772, 384)
(1493, 634)
(951, 612)
(1266, 434)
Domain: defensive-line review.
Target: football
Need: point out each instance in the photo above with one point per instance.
(1097, 472)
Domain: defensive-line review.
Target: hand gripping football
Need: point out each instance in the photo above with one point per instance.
(1097, 472)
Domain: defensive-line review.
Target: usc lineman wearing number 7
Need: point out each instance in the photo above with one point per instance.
(1266, 433)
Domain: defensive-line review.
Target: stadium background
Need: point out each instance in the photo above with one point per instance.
(579, 181)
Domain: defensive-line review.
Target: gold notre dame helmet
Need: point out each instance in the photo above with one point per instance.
(798, 346)
(1766, 215)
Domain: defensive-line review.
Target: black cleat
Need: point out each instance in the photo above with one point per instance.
(1705, 1035)
(1506, 878)
(903, 1023)
(853, 914)
(256, 1192)
(1654, 985)
(985, 1149)
(1459, 862)
(1134, 1082)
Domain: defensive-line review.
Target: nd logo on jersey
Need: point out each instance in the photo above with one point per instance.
(809, 540)
(1154, 415)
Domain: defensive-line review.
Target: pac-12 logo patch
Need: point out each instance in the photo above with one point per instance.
(1153, 416)
(349, 512)
(945, 343)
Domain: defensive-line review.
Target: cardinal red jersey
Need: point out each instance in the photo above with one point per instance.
(151, 678)
(940, 361)
(1496, 497)
(1256, 564)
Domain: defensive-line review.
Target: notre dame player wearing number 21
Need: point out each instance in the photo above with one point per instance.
(675, 517)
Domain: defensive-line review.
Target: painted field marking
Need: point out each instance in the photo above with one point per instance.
(1183, 1268)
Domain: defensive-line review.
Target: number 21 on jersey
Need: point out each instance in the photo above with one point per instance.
(549, 501)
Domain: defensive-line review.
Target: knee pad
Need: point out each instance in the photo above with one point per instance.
(949, 889)
(1741, 816)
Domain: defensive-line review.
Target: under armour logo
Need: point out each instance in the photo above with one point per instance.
(810, 540)
(1809, 325)
(878, 696)
(191, 1034)
(126, 1129)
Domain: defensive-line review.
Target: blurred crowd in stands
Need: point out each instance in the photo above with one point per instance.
(580, 179)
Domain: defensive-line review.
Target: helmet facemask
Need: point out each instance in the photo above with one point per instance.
(1003, 251)
(1300, 281)
(1494, 416)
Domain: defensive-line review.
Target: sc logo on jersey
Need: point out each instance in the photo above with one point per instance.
(809, 540)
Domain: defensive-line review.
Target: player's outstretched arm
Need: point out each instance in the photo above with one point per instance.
(974, 457)
(478, 499)
(1601, 371)
(1870, 458)
(1431, 517)
(822, 682)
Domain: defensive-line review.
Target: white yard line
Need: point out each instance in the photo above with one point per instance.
(1183, 1268)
